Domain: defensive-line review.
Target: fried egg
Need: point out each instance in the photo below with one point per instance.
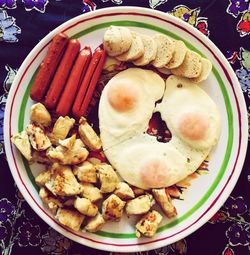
(127, 103)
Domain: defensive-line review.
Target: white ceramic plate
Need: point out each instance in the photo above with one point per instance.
(206, 194)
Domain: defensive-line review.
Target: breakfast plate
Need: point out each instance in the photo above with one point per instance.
(205, 195)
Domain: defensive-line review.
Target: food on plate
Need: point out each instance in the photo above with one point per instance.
(85, 206)
(124, 191)
(21, 141)
(88, 135)
(112, 208)
(85, 172)
(107, 176)
(135, 51)
(127, 103)
(165, 50)
(91, 192)
(190, 67)
(78, 72)
(37, 137)
(59, 80)
(179, 54)
(48, 66)
(117, 40)
(206, 67)
(89, 82)
(40, 115)
(95, 223)
(70, 218)
(140, 205)
(44, 177)
(164, 200)
(150, 50)
(148, 224)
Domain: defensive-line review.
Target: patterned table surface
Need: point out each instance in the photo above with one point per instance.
(24, 22)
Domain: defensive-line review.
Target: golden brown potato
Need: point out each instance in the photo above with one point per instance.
(95, 224)
(77, 154)
(89, 136)
(85, 172)
(38, 139)
(140, 205)
(70, 218)
(43, 177)
(21, 140)
(50, 200)
(84, 206)
(40, 115)
(123, 191)
(148, 224)
(63, 182)
(62, 127)
(164, 200)
(138, 191)
(107, 176)
(112, 208)
(90, 192)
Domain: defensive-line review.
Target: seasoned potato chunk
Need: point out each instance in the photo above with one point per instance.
(140, 205)
(138, 191)
(95, 224)
(112, 208)
(21, 140)
(84, 206)
(164, 200)
(51, 201)
(77, 154)
(91, 192)
(38, 139)
(40, 115)
(148, 225)
(62, 127)
(43, 177)
(70, 218)
(68, 142)
(89, 136)
(63, 182)
(123, 191)
(107, 176)
(85, 172)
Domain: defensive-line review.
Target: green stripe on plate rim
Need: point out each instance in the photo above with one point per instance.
(226, 100)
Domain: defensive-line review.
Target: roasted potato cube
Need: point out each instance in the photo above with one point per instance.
(85, 172)
(70, 218)
(123, 191)
(138, 191)
(77, 154)
(40, 115)
(91, 192)
(112, 208)
(43, 177)
(148, 225)
(107, 177)
(95, 224)
(140, 205)
(68, 142)
(164, 200)
(21, 140)
(50, 200)
(63, 182)
(88, 135)
(84, 206)
(38, 139)
(62, 127)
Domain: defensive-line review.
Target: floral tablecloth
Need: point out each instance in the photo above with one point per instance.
(24, 22)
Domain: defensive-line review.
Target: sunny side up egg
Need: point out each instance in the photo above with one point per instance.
(140, 159)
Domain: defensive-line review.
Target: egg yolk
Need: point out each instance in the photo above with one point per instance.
(193, 126)
(123, 96)
(154, 173)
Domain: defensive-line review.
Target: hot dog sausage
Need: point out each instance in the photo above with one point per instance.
(78, 72)
(62, 74)
(48, 66)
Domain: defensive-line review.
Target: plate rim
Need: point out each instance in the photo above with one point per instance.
(165, 16)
